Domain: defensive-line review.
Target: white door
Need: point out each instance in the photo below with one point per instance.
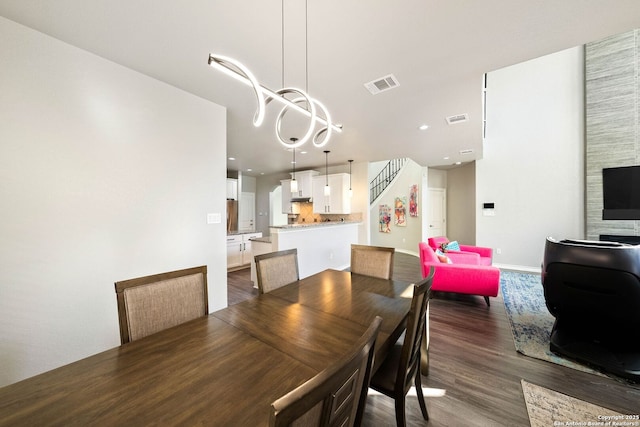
(437, 212)
(247, 211)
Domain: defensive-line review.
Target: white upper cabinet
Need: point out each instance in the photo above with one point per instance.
(339, 201)
(232, 189)
(305, 184)
(287, 206)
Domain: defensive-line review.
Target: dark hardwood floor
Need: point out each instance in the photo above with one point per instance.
(473, 361)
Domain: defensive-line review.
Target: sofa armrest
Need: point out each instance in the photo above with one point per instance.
(464, 278)
(435, 242)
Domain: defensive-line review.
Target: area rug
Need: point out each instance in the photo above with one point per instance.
(531, 322)
(550, 408)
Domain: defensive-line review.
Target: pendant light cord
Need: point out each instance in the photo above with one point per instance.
(326, 167)
(282, 34)
(306, 47)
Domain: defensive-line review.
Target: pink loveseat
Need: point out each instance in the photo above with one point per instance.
(485, 254)
(465, 274)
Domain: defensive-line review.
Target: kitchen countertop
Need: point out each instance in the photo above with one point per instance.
(314, 224)
(266, 239)
(236, 232)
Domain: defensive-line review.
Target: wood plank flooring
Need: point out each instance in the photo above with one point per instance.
(474, 362)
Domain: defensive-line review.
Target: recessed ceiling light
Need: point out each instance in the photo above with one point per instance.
(249, 170)
(458, 163)
(423, 127)
(303, 152)
(446, 158)
(232, 158)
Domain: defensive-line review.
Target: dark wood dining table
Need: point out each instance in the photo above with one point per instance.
(222, 369)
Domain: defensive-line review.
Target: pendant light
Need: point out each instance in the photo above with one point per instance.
(350, 190)
(327, 189)
(294, 183)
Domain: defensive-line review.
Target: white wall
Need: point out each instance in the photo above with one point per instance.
(533, 165)
(105, 175)
(404, 239)
(461, 202)
(360, 199)
(437, 178)
(264, 186)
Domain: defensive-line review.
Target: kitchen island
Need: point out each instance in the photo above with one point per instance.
(320, 245)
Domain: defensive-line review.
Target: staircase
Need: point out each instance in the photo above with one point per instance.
(384, 178)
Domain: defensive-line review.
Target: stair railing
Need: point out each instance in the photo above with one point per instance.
(384, 178)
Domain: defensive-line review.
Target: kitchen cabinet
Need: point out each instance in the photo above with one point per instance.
(305, 184)
(232, 189)
(305, 190)
(287, 206)
(339, 201)
(247, 247)
(239, 249)
(234, 251)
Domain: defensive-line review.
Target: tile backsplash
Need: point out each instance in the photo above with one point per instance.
(307, 216)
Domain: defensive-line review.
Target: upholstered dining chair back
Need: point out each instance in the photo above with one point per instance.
(395, 375)
(334, 397)
(376, 261)
(150, 304)
(276, 269)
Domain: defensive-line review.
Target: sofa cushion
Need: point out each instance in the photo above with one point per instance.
(464, 258)
(442, 257)
(453, 246)
(485, 261)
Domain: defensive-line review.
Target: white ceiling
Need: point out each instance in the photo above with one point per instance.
(438, 50)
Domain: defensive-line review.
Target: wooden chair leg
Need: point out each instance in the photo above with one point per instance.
(401, 420)
(423, 406)
(424, 354)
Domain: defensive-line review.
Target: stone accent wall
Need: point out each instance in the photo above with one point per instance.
(612, 122)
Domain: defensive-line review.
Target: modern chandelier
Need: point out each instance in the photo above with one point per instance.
(300, 101)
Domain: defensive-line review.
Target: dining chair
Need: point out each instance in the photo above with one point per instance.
(376, 261)
(402, 365)
(276, 269)
(337, 395)
(150, 304)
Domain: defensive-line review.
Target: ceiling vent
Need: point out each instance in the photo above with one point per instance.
(458, 118)
(382, 84)
(467, 151)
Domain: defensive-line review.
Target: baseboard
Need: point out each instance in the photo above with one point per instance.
(240, 267)
(404, 251)
(521, 268)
